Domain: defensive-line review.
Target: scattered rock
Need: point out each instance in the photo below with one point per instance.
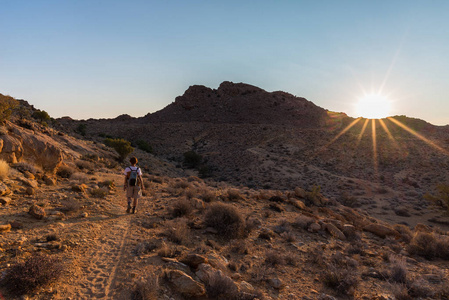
(37, 212)
(84, 215)
(381, 230)
(276, 283)
(185, 284)
(349, 231)
(422, 228)
(246, 287)
(5, 200)
(334, 231)
(193, 260)
(205, 271)
(5, 228)
(49, 181)
(314, 227)
(79, 188)
(30, 191)
(4, 190)
(402, 211)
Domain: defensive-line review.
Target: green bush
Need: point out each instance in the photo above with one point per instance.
(121, 146)
(144, 146)
(7, 105)
(41, 115)
(192, 159)
(81, 129)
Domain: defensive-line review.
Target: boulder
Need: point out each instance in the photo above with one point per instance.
(185, 284)
(12, 150)
(49, 181)
(334, 231)
(349, 231)
(276, 283)
(205, 271)
(217, 261)
(193, 260)
(381, 230)
(37, 212)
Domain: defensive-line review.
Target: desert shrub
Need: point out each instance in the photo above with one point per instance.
(342, 280)
(107, 184)
(192, 159)
(146, 247)
(37, 271)
(4, 169)
(190, 193)
(99, 192)
(41, 115)
(400, 292)
(177, 231)
(3, 130)
(7, 106)
(65, 171)
(85, 165)
(274, 258)
(233, 195)
(121, 146)
(81, 129)
(441, 198)
(226, 219)
(429, 245)
(180, 184)
(419, 288)
(144, 146)
(313, 196)
(166, 251)
(220, 286)
(348, 200)
(81, 177)
(239, 247)
(398, 271)
(204, 171)
(406, 233)
(289, 236)
(146, 288)
(208, 195)
(70, 206)
(181, 207)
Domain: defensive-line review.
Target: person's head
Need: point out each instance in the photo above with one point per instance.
(133, 160)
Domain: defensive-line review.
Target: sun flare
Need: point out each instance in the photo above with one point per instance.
(373, 106)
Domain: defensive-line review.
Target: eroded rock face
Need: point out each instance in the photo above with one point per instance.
(12, 150)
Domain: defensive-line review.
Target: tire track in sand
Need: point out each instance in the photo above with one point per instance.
(99, 266)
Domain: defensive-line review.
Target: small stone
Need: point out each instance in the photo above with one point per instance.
(37, 212)
(276, 283)
(314, 227)
(5, 200)
(30, 191)
(5, 228)
(84, 215)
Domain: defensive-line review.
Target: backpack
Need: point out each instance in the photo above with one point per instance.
(133, 175)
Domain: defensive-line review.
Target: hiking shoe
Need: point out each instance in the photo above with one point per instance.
(134, 210)
(128, 210)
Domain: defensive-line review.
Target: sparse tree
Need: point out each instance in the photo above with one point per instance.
(121, 146)
(7, 105)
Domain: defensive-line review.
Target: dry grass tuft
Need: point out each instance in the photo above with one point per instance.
(398, 272)
(4, 169)
(181, 207)
(65, 171)
(234, 195)
(80, 177)
(146, 288)
(99, 192)
(177, 231)
(36, 272)
(166, 251)
(429, 245)
(226, 219)
(221, 286)
(342, 280)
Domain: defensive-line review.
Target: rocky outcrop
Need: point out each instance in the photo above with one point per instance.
(185, 284)
(381, 230)
(37, 212)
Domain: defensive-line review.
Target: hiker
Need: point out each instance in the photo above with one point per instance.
(133, 184)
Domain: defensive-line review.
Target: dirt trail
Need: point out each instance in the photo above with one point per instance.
(102, 254)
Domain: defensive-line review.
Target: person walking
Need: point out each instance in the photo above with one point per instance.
(133, 184)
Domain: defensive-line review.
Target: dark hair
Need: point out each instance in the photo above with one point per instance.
(133, 160)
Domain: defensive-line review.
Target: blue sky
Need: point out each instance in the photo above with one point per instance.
(100, 59)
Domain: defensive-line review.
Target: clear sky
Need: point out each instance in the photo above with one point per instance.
(100, 59)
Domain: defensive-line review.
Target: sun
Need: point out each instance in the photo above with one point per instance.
(373, 106)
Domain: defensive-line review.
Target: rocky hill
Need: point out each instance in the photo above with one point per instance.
(241, 233)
